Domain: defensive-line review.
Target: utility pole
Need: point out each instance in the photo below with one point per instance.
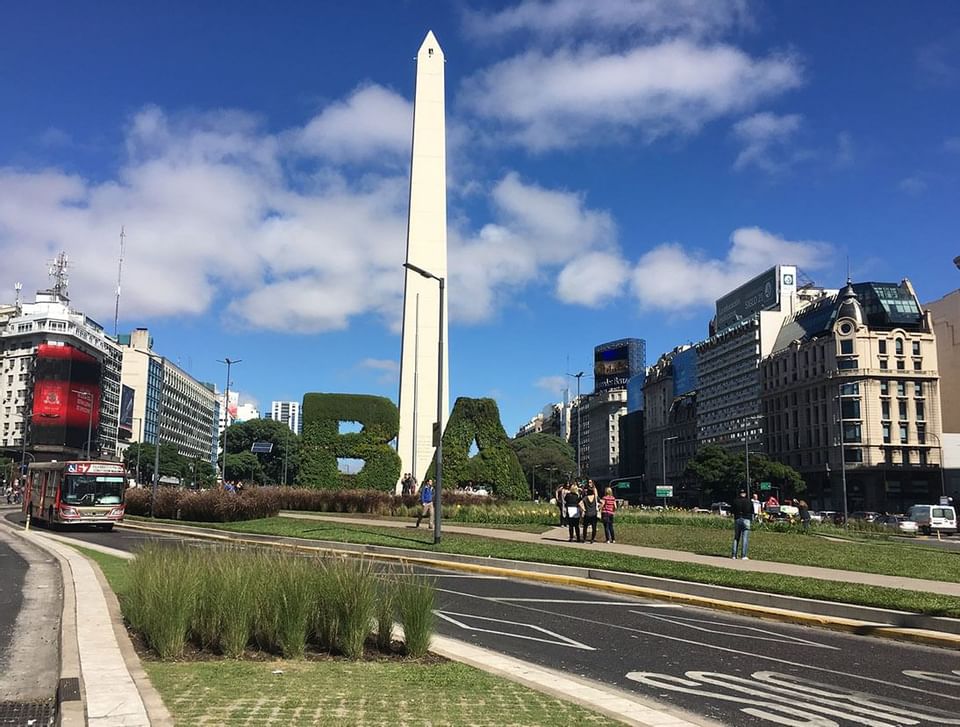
(226, 413)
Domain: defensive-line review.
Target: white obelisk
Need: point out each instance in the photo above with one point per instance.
(427, 250)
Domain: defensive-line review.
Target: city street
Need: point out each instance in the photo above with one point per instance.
(736, 670)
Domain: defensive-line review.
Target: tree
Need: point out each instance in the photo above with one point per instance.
(546, 460)
(241, 436)
(716, 472)
(244, 466)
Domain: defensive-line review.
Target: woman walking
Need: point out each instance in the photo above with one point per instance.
(589, 504)
(572, 502)
(608, 506)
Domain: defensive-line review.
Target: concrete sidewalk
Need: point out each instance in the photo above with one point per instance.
(558, 536)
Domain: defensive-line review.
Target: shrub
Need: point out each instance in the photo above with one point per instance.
(357, 591)
(205, 505)
(415, 600)
(385, 613)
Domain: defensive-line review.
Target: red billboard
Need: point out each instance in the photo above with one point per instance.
(66, 397)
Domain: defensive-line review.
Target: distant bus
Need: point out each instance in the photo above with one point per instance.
(80, 493)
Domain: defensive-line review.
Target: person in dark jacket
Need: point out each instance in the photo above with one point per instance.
(742, 517)
(572, 502)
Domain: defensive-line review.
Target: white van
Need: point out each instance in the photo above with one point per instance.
(934, 518)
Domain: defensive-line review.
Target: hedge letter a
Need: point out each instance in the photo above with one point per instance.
(323, 445)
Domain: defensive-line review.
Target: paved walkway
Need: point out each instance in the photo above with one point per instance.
(558, 536)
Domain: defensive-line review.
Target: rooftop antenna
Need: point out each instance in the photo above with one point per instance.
(58, 272)
(116, 309)
(18, 286)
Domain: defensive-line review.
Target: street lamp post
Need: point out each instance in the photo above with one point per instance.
(578, 376)
(156, 451)
(437, 490)
(943, 484)
(226, 414)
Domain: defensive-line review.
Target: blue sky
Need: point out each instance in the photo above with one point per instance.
(613, 168)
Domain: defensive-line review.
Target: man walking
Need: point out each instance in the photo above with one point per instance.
(426, 502)
(742, 517)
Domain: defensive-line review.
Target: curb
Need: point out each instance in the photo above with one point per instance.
(599, 580)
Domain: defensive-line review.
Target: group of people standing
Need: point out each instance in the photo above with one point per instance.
(582, 506)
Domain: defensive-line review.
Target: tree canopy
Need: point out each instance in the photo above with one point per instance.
(720, 473)
(547, 461)
(267, 467)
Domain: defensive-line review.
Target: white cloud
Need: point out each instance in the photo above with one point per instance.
(388, 368)
(552, 18)
(555, 384)
(371, 122)
(547, 101)
(913, 185)
(673, 278)
(592, 279)
(534, 229)
(766, 139)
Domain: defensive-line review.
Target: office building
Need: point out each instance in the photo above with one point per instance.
(946, 327)
(287, 412)
(670, 424)
(59, 378)
(851, 398)
(162, 402)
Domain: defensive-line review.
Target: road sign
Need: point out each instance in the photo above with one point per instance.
(261, 447)
(664, 491)
(765, 485)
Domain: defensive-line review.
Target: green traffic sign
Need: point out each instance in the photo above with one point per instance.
(765, 485)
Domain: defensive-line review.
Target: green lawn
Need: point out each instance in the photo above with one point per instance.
(350, 693)
(596, 557)
(343, 692)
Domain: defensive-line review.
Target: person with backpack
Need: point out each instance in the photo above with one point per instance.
(426, 502)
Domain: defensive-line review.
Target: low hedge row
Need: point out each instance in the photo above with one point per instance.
(210, 506)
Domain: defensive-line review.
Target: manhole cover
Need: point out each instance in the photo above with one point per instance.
(27, 714)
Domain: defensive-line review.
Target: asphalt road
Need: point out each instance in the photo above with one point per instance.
(736, 670)
(13, 568)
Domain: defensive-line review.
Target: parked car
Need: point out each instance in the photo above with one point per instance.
(934, 518)
(899, 523)
(863, 516)
(720, 508)
(831, 516)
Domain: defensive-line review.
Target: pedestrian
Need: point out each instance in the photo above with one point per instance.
(804, 514)
(560, 494)
(608, 506)
(757, 506)
(742, 516)
(572, 503)
(590, 507)
(426, 502)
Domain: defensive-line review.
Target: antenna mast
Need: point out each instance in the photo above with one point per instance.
(116, 309)
(58, 272)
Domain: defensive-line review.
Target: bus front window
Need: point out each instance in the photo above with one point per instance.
(92, 490)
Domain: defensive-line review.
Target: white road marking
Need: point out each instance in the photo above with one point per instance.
(736, 630)
(477, 577)
(812, 703)
(558, 639)
(585, 603)
(932, 676)
(714, 647)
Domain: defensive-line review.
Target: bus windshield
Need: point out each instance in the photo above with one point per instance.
(92, 490)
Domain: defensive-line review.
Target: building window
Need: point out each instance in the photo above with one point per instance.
(850, 408)
(885, 409)
(886, 433)
(921, 433)
(903, 434)
(852, 454)
(846, 364)
(903, 410)
(901, 365)
(920, 411)
(851, 432)
(901, 388)
(905, 455)
(916, 348)
(852, 389)
(923, 457)
(884, 388)
(846, 346)
(883, 364)
(882, 345)
(917, 364)
(898, 346)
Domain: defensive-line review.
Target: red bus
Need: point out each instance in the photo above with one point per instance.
(80, 493)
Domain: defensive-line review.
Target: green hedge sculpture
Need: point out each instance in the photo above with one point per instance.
(495, 464)
(322, 444)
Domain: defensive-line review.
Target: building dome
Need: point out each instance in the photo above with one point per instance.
(848, 305)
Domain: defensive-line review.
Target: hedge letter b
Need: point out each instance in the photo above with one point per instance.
(323, 444)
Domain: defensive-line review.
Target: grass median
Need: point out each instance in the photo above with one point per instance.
(278, 692)
(595, 557)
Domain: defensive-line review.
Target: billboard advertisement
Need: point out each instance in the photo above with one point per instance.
(761, 293)
(615, 363)
(684, 372)
(125, 426)
(66, 397)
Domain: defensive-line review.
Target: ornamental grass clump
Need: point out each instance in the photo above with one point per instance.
(357, 591)
(385, 612)
(415, 601)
